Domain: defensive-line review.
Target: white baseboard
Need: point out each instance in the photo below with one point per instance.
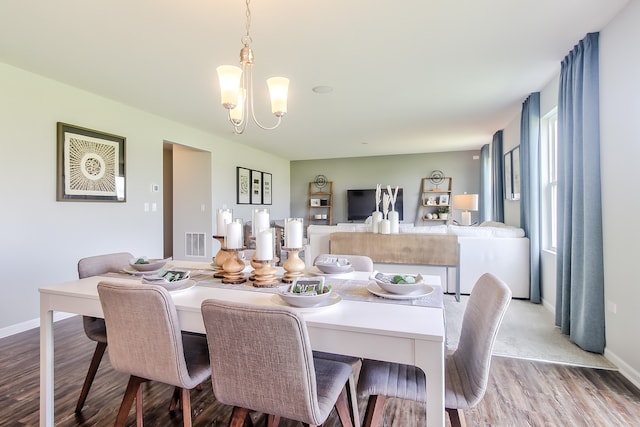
(30, 324)
(627, 371)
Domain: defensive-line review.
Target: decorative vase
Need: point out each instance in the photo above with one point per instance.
(385, 226)
(394, 219)
(376, 217)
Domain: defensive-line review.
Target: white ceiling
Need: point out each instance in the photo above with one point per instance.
(409, 76)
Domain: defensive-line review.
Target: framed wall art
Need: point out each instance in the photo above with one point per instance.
(90, 165)
(243, 185)
(256, 187)
(266, 188)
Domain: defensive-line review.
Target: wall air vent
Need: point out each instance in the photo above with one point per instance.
(194, 244)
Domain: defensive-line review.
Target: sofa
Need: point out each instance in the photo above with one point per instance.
(489, 247)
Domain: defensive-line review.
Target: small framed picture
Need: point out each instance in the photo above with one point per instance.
(256, 187)
(314, 202)
(243, 187)
(444, 199)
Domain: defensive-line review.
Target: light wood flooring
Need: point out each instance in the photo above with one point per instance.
(520, 393)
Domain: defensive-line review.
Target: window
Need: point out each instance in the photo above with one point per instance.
(549, 175)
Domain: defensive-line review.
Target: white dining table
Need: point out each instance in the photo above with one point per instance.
(408, 334)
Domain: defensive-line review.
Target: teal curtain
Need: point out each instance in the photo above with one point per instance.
(530, 187)
(497, 162)
(484, 204)
(580, 271)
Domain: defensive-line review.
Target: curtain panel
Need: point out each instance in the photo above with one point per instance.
(580, 310)
(530, 187)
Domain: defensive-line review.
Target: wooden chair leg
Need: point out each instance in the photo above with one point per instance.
(91, 374)
(238, 417)
(456, 417)
(343, 409)
(273, 420)
(185, 396)
(134, 391)
(175, 398)
(375, 410)
(352, 398)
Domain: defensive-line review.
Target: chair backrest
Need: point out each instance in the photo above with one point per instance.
(483, 315)
(144, 332)
(261, 359)
(100, 264)
(358, 262)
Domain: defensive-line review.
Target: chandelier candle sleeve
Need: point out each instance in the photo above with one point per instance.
(293, 233)
(264, 245)
(223, 217)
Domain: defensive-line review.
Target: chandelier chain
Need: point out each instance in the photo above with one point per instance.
(248, 25)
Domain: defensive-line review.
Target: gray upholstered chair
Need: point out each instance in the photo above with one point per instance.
(358, 262)
(94, 327)
(145, 341)
(467, 368)
(261, 360)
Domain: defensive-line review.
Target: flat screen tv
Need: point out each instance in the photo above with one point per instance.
(361, 203)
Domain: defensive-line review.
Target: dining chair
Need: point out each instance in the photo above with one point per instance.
(358, 262)
(94, 327)
(145, 341)
(261, 360)
(467, 368)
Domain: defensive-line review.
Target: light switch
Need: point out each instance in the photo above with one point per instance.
(146, 206)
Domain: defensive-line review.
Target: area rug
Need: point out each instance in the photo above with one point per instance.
(527, 332)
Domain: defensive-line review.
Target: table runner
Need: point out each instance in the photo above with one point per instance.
(348, 289)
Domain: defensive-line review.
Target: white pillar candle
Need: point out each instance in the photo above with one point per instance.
(233, 239)
(264, 245)
(260, 221)
(293, 233)
(222, 219)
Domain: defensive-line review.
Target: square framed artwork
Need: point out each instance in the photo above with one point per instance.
(243, 185)
(444, 199)
(90, 165)
(267, 189)
(256, 187)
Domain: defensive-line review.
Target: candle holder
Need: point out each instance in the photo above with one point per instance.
(293, 266)
(264, 274)
(219, 258)
(233, 267)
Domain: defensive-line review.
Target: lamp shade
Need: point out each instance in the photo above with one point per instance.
(229, 77)
(465, 202)
(278, 91)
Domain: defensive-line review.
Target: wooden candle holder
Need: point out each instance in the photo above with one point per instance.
(233, 267)
(220, 258)
(264, 274)
(293, 266)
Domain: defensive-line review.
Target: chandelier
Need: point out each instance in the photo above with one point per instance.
(236, 88)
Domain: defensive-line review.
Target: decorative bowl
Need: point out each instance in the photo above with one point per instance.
(333, 265)
(392, 283)
(309, 299)
(144, 264)
(166, 279)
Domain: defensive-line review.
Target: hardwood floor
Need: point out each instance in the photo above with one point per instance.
(520, 393)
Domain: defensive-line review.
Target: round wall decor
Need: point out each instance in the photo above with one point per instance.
(320, 181)
(436, 177)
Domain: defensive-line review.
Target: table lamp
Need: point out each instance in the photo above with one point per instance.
(465, 202)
